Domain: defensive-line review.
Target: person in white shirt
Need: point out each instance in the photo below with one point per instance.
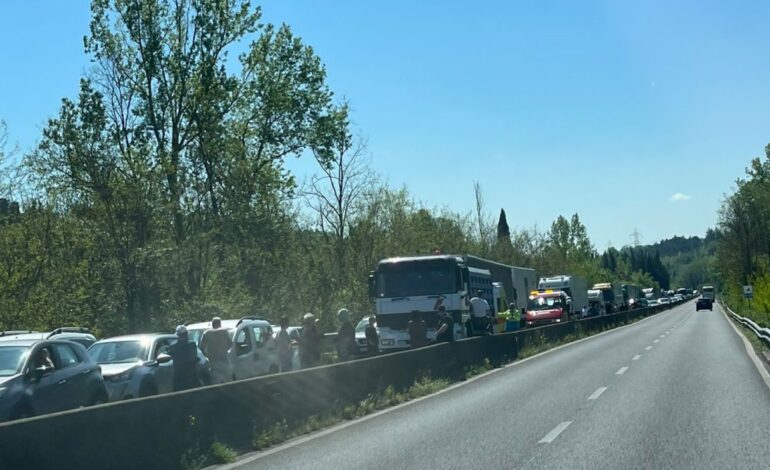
(479, 306)
(479, 312)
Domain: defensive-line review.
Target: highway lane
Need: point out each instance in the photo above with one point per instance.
(676, 390)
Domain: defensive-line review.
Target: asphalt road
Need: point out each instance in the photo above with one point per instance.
(676, 390)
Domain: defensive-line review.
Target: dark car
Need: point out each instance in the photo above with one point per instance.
(704, 304)
(45, 376)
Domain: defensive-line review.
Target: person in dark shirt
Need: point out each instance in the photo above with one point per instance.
(184, 353)
(309, 342)
(418, 331)
(346, 336)
(446, 329)
(372, 337)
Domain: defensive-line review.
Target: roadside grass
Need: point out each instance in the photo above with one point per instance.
(221, 453)
(759, 346)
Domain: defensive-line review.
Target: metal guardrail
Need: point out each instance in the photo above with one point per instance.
(762, 333)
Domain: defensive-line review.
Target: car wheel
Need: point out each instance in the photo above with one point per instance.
(147, 389)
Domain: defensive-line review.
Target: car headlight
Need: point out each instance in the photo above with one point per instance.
(123, 376)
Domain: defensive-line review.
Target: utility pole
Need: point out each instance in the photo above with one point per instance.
(636, 235)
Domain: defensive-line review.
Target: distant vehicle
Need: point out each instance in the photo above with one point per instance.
(31, 385)
(138, 365)
(677, 298)
(69, 333)
(630, 295)
(254, 350)
(516, 281)
(573, 287)
(682, 292)
(651, 293)
(595, 303)
(640, 303)
(664, 301)
(706, 301)
(653, 302)
(612, 293)
(704, 304)
(547, 307)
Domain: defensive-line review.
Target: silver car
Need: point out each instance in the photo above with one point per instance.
(138, 366)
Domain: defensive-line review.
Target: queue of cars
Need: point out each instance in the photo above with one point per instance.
(46, 372)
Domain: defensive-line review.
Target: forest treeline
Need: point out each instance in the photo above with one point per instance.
(160, 193)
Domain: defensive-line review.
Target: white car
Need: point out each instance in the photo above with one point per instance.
(254, 350)
(664, 301)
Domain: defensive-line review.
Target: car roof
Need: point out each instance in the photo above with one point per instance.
(24, 336)
(19, 342)
(226, 324)
(137, 337)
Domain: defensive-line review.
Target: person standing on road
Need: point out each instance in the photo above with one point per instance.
(372, 337)
(346, 336)
(184, 353)
(446, 329)
(309, 342)
(283, 342)
(215, 344)
(418, 331)
(479, 312)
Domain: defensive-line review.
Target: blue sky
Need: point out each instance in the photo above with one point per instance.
(608, 109)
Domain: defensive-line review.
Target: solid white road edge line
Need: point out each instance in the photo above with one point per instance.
(621, 371)
(257, 455)
(636, 358)
(749, 350)
(597, 393)
(555, 432)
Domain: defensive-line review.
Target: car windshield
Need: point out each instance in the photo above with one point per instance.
(12, 359)
(111, 352)
(545, 303)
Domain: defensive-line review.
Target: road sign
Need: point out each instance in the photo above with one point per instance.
(748, 292)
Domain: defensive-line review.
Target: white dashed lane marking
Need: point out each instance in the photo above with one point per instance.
(555, 432)
(621, 371)
(636, 358)
(597, 393)
(648, 348)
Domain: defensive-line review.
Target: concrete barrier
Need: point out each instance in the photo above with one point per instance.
(157, 432)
